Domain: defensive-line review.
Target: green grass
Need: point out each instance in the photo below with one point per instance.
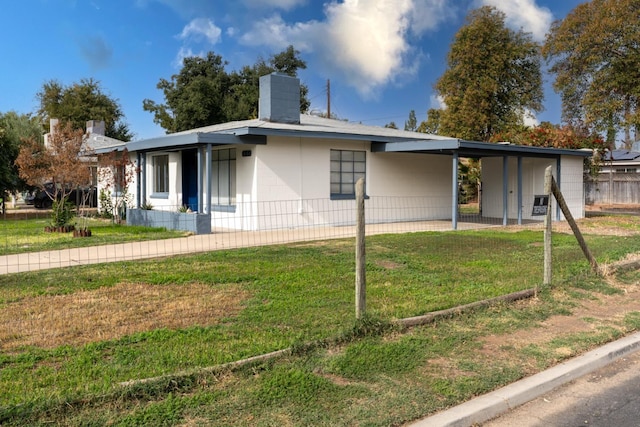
(367, 374)
(20, 236)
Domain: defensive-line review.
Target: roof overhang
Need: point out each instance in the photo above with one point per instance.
(296, 133)
(472, 149)
(185, 140)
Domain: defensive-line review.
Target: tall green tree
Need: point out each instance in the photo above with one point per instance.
(80, 102)
(493, 77)
(432, 124)
(204, 93)
(412, 123)
(13, 128)
(595, 54)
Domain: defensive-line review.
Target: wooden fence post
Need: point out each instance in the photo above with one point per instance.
(361, 283)
(574, 226)
(547, 228)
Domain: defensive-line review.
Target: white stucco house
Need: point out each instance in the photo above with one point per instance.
(287, 169)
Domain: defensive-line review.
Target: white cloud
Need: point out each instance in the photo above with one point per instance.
(201, 28)
(367, 42)
(278, 4)
(428, 15)
(185, 52)
(276, 33)
(525, 14)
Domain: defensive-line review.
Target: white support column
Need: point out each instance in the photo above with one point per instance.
(519, 190)
(454, 191)
(138, 179)
(505, 190)
(143, 178)
(208, 183)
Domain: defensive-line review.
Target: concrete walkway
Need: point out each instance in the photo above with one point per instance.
(218, 240)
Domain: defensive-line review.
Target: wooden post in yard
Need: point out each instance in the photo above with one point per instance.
(547, 228)
(361, 282)
(574, 226)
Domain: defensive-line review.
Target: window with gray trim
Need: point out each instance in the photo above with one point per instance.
(160, 173)
(223, 177)
(347, 167)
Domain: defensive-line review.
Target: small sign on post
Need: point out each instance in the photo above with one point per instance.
(540, 205)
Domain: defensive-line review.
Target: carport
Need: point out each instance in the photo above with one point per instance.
(457, 149)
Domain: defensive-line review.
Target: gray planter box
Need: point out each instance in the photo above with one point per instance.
(197, 223)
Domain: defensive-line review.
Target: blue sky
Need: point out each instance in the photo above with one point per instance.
(382, 56)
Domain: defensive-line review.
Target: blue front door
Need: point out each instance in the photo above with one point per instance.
(190, 179)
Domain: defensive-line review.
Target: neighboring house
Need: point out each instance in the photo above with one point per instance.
(618, 181)
(620, 161)
(287, 170)
(94, 141)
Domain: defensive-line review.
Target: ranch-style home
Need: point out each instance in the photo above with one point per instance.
(287, 169)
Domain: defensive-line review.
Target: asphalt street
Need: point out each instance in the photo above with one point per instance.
(607, 397)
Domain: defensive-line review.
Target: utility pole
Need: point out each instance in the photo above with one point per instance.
(328, 98)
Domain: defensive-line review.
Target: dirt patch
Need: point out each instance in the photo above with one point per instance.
(587, 317)
(388, 264)
(111, 313)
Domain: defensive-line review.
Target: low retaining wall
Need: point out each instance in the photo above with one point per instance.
(198, 223)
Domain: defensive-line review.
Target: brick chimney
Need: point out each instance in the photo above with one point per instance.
(279, 98)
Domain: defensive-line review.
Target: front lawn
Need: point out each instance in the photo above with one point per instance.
(71, 335)
(29, 235)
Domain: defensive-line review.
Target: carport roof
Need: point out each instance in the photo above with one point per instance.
(474, 149)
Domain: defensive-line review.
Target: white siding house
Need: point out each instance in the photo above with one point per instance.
(291, 170)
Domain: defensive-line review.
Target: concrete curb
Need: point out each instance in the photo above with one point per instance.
(488, 406)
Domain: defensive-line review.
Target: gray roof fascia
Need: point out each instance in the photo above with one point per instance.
(190, 139)
(431, 145)
(256, 131)
(474, 148)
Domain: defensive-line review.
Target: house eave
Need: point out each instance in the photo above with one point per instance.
(472, 149)
(192, 139)
(297, 133)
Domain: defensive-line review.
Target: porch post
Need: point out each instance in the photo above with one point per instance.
(199, 180)
(138, 177)
(143, 178)
(519, 190)
(505, 189)
(454, 191)
(208, 169)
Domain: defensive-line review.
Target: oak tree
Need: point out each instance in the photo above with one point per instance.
(203, 93)
(79, 103)
(493, 78)
(14, 127)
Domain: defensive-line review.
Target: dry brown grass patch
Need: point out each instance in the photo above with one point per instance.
(111, 313)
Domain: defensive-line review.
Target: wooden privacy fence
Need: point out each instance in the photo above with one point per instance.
(612, 188)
